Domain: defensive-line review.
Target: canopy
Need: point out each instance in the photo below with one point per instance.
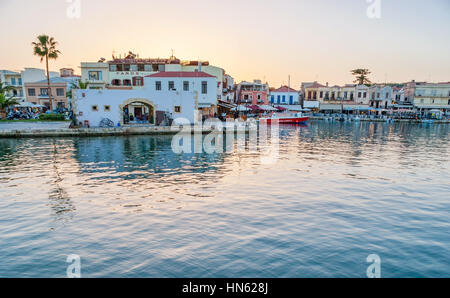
(27, 104)
(268, 108)
(241, 109)
(281, 109)
(255, 109)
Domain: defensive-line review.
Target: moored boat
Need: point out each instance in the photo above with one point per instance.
(285, 118)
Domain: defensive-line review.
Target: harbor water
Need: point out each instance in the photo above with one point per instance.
(131, 207)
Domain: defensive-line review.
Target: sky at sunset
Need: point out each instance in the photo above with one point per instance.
(251, 39)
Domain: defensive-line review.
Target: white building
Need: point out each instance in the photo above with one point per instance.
(176, 93)
(285, 96)
(14, 80)
(381, 96)
(131, 70)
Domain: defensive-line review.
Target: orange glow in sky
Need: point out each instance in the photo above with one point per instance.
(251, 39)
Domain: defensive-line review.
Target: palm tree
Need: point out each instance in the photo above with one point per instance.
(77, 85)
(45, 48)
(5, 101)
(361, 76)
(5, 88)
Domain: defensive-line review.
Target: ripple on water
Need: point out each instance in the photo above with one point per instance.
(130, 207)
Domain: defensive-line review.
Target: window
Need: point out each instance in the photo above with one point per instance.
(95, 75)
(32, 92)
(259, 96)
(345, 95)
(185, 86)
(321, 94)
(284, 98)
(133, 67)
(116, 82)
(359, 94)
(171, 85)
(44, 92)
(177, 109)
(365, 95)
(126, 67)
(107, 108)
(19, 81)
(127, 82)
(272, 99)
(138, 81)
(113, 67)
(387, 94)
(204, 87)
(148, 67)
(158, 85)
(13, 81)
(141, 67)
(95, 108)
(60, 92)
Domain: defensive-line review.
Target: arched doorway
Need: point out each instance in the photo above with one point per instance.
(137, 111)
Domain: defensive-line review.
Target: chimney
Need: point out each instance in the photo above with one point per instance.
(200, 65)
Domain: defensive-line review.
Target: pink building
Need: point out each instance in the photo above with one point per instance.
(255, 93)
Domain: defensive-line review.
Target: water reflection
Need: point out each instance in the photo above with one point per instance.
(132, 207)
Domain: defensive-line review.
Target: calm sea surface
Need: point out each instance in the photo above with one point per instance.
(130, 207)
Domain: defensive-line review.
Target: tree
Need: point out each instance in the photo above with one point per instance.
(45, 48)
(361, 76)
(77, 85)
(5, 100)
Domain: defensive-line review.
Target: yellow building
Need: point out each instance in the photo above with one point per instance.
(431, 96)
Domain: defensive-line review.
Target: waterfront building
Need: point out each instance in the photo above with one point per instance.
(380, 96)
(255, 93)
(13, 79)
(429, 96)
(362, 94)
(37, 92)
(174, 93)
(285, 95)
(229, 89)
(17, 80)
(310, 91)
(131, 70)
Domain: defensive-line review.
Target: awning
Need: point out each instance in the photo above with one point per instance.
(255, 109)
(204, 105)
(28, 104)
(432, 107)
(241, 109)
(311, 104)
(268, 108)
(330, 107)
(226, 105)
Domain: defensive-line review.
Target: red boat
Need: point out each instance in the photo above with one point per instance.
(285, 118)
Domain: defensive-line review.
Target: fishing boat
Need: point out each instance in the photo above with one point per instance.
(285, 118)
